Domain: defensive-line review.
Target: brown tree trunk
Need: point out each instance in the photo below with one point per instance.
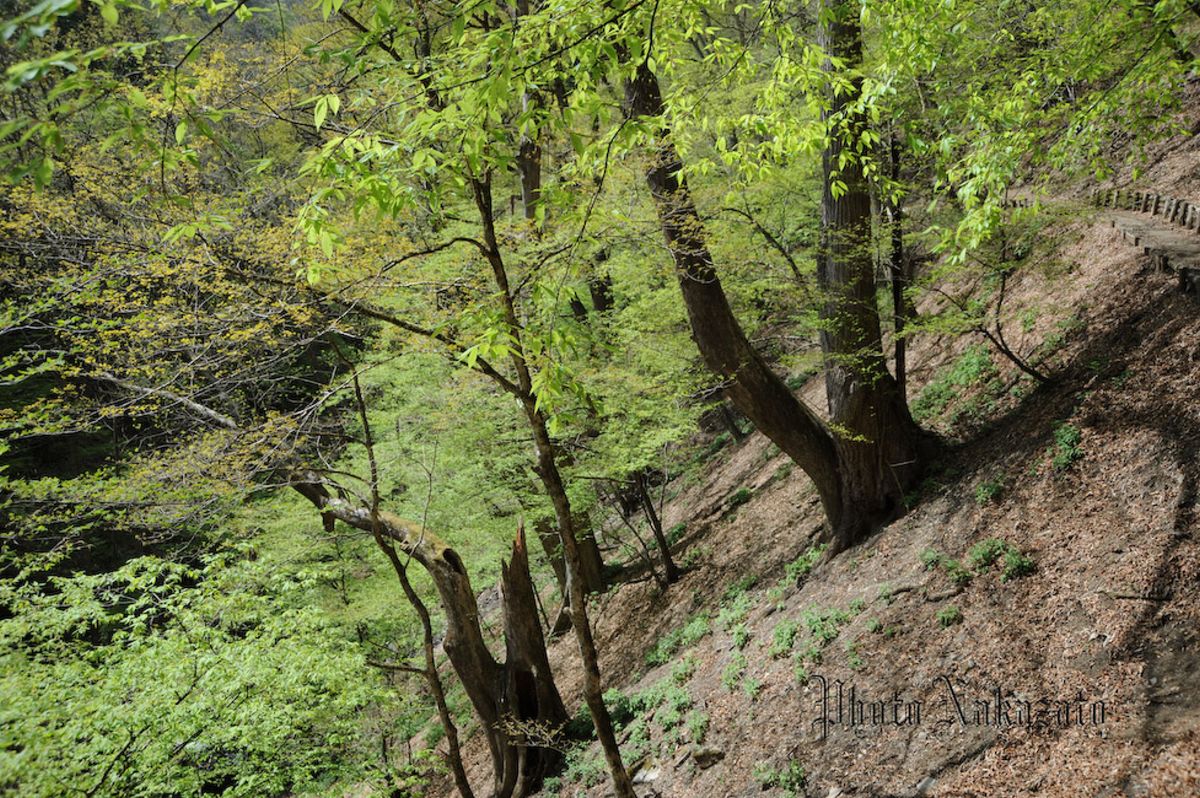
(532, 703)
(899, 276)
(878, 458)
(753, 387)
(862, 465)
(670, 570)
(511, 700)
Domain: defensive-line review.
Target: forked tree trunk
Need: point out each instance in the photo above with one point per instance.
(861, 464)
(517, 702)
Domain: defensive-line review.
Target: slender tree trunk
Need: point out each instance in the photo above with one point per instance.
(670, 570)
(547, 470)
(899, 275)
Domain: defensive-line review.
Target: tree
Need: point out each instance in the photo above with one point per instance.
(868, 454)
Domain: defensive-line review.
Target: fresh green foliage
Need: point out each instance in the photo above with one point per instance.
(784, 637)
(972, 368)
(741, 635)
(1065, 452)
(733, 612)
(679, 639)
(948, 616)
(734, 670)
(790, 780)
(930, 558)
(987, 552)
(740, 497)
(1016, 564)
(957, 574)
(800, 567)
(697, 726)
(854, 659)
(989, 491)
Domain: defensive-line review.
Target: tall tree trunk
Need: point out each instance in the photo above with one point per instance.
(862, 465)
(878, 458)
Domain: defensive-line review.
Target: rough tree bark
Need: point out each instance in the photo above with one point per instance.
(864, 460)
(516, 702)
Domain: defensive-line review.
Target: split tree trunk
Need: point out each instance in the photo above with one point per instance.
(862, 464)
(517, 702)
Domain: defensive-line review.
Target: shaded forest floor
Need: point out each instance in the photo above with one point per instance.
(1093, 477)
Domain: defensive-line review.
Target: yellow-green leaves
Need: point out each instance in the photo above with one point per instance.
(325, 104)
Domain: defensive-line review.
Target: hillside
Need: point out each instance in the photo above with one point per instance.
(1109, 613)
(673, 398)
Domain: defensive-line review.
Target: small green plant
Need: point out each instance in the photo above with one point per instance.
(695, 556)
(683, 670)
(854, 659)
(751, 687)
(874, 625)
(948, 616)
(811, 653)
(784, 637)
(731, 675)
(697, 726)
(740, 586)
(958, 575)
(1016, 564)
(989, 491)
(790, 779)
(741, 635)
(800, 567)
(825, 624)
(986, 552)
(684, 637)
(733, 612)
(1065, 451)
(583, 769)
(777, 592)
(676, 533)
(740, 497)
(857, 606)
(930, 558)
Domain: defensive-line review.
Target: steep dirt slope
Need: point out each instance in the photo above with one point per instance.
(1105, 509)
